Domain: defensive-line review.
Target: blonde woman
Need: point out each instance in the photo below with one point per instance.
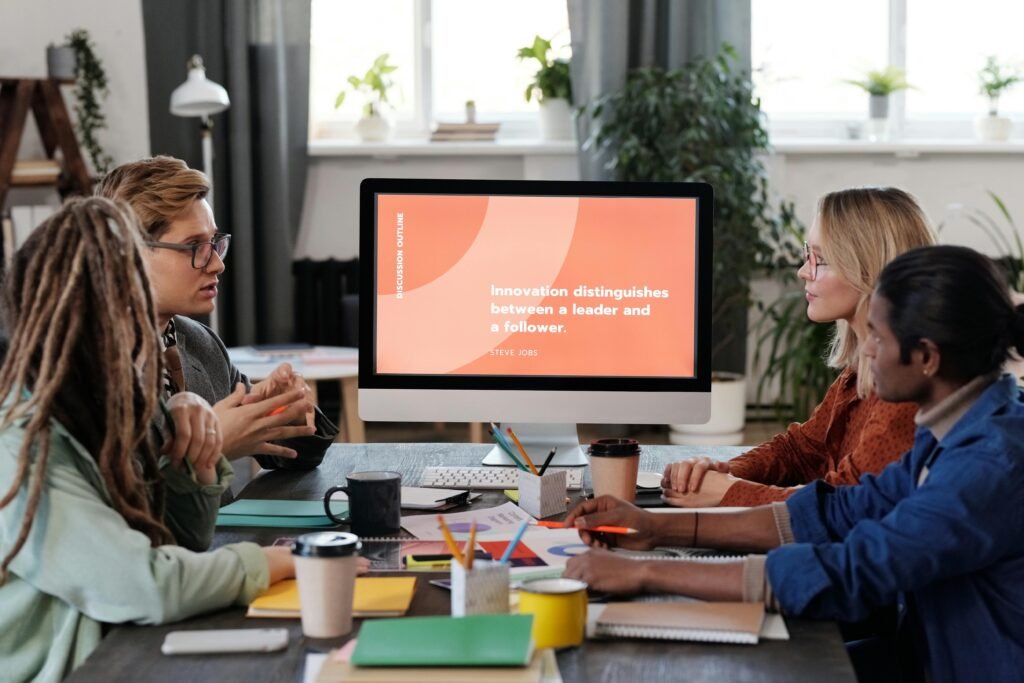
(851, 432)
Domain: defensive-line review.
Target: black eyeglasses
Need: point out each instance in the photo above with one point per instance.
(202, 252)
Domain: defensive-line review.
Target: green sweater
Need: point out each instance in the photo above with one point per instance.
(83, 566)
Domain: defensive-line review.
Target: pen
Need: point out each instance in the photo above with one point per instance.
(605, 529)
(547, 461)
(470, 549)
(450, 541)
(514, 542)
(519, 445)
(503, 445)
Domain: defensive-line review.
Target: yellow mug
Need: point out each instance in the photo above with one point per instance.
(559, 609)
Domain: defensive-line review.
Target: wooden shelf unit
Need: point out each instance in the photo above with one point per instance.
(43, 97)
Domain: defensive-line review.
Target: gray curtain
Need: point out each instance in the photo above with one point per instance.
(259, 51)
(610, 37)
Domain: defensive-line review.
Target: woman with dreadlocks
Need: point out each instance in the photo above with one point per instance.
(91, 509)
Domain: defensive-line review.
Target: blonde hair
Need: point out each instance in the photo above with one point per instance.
(862, 229)
(84, 352)
(159, 189)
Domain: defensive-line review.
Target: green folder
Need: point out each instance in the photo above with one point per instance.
(280, 513)
(479, 640)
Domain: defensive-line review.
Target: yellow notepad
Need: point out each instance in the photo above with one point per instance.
(376, 596)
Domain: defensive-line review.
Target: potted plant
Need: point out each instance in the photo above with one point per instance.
(552, 85)
(879, 85)
(77, 59)
(994, 79)
(374, 86)
(701, 123)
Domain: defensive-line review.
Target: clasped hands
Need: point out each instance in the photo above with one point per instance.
(696, 482)
(278, 407)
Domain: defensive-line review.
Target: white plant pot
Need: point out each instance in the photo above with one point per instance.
(993, 128)
(373, 128)
(728, 415)
(60, 62)
(555, 119)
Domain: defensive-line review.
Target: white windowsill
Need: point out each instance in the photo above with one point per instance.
(900, 148)
(422, 147)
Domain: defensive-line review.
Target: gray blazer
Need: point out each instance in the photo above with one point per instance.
(209, 372)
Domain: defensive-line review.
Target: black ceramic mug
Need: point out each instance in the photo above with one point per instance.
(374, 503)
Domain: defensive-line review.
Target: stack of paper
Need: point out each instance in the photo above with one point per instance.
(374, 597)
(464, 131)
(279, 513)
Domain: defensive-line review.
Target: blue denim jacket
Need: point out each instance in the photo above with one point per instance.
(955, 543)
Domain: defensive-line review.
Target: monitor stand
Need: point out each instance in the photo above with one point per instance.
(538, 440)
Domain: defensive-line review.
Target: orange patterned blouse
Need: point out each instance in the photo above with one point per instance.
(845, 437)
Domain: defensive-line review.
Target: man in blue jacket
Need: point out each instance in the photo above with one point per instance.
(939, 533)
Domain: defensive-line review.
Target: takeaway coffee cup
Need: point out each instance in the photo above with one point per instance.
(614, 464)
(325, 568)
(374, 503)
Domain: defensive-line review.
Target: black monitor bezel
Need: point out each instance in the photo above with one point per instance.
(371, 187)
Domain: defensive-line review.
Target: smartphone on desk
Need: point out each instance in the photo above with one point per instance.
(225, 640)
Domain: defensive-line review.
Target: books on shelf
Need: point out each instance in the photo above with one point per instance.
(464, 132)
(35, 172)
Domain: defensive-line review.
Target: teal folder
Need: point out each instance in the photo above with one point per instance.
(479, 640)
(279, 513)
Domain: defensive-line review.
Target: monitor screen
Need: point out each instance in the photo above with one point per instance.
(534, 301)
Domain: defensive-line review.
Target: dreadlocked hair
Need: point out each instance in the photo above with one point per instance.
(84, 352)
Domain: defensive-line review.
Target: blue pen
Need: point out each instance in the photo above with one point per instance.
(508, 447)
(514, 542)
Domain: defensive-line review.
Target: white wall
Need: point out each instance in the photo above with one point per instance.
(28, 26)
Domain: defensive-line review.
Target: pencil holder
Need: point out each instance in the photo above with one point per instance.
(480, 590)
(542, 496)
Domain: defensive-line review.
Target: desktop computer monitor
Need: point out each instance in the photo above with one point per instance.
(536, 304)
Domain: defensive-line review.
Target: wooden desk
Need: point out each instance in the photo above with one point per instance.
(815, 651)
(318, 363)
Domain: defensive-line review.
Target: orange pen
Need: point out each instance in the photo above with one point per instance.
(604, 529)
(277, 411)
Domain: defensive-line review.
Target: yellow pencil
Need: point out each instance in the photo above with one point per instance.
(450, 541)
(470, 547)
(526, 458)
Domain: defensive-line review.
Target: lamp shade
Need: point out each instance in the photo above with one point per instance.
(198, 96)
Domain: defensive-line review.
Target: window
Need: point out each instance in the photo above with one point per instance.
(446, 51)
(941, 44)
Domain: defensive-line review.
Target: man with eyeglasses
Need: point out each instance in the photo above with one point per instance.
(274, 419)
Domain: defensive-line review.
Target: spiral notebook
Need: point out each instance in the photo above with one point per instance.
(709, 622)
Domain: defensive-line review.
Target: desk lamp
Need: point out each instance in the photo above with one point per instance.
(201, 97)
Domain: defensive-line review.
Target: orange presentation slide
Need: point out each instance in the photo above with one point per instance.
(536, 286)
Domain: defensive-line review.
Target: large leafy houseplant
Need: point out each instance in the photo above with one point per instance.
(90, 89)
(699, 123)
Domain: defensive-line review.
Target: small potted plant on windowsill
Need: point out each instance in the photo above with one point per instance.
(553, 88)
(880, 85)
(374, 86)
(995, 79)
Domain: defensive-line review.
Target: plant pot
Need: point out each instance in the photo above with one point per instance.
(993, 128)
(373, 128)
(60, 62)
(728, 415)
(555, 119)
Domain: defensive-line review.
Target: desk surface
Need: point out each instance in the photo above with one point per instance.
(815, 651)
